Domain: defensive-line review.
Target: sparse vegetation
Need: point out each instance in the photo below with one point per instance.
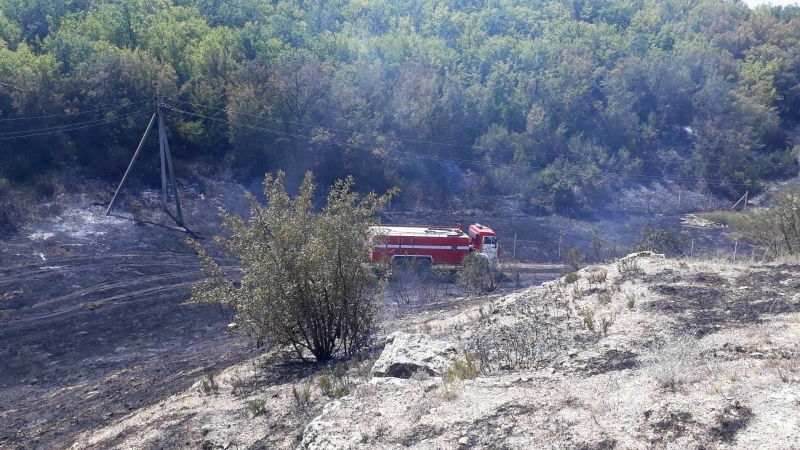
(325, 385)
(776, 228)
(604, 298)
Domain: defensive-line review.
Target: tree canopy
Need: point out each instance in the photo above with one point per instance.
(559, 101)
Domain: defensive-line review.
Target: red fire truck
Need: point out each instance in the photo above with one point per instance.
(434, 245)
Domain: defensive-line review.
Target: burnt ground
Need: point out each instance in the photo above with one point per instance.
(703, 302)
(93, 320)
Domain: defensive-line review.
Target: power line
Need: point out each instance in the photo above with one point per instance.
(454, 160)
(74, 114)
(449, 144)
(57, 128)
(78, 128)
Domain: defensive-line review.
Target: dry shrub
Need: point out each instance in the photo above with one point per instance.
(301, 395)
(674, 361)
(629, 266)
(598, 277)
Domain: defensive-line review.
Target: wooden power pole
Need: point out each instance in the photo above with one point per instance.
(167, 172)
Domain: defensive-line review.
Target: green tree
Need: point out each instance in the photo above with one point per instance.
(306, 280)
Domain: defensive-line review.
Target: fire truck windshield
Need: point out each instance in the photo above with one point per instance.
(490, 240)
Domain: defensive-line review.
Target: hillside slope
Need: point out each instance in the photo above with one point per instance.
(695, 354)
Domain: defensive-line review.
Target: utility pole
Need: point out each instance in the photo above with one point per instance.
(166, 164)
(515, 246)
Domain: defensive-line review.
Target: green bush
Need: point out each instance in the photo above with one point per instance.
(307, 281)
(479, 274)
(462, 369)
(659, 240)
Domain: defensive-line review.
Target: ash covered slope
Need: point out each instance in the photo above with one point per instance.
(643, 353)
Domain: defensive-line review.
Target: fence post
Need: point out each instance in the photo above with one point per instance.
(691, 252)
(735, 249)
(679, 200)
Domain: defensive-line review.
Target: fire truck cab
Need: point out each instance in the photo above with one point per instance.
(484, 241)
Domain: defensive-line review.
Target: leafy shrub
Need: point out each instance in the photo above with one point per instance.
(777, 227)
(284, 249)
(137, 208)
(659, 240)
(604, 298)
(479, 274)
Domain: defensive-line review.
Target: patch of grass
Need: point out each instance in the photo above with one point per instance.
(604, 298)
(631, 303)
(571, 277)
(301, 395)
(325, 385)
(341, 390)
(257, 407)
(588, 318)
(629, 266)
(137, 208)
(463, 369)
(577, 293)
(209, 385)
(237, 386)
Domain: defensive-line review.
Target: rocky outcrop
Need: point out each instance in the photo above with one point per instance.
(408, 353)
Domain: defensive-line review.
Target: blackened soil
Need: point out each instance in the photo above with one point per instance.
(93, 324)
(703, 303)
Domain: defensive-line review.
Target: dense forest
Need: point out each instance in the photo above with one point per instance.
(558, 101)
